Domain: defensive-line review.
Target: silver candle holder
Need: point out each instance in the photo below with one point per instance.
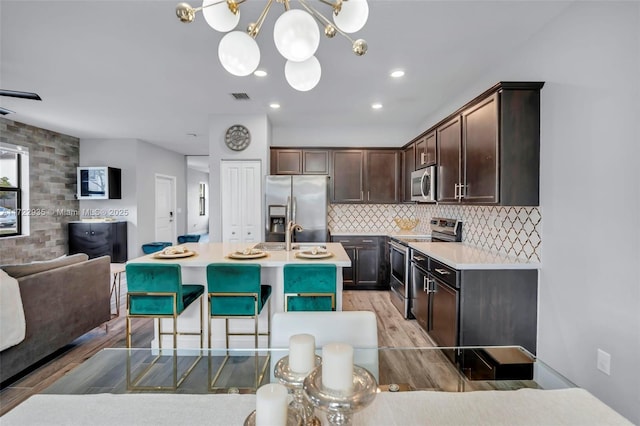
(339, 405)
(293, 418)
(295, 381)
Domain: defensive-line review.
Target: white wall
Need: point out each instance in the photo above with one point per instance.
(154, 160)
(139, 161)
(119, 153)
(196, 224)
(343, 136)
(589, 292)
(260, 130)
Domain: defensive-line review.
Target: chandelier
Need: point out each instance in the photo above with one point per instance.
(295, 33)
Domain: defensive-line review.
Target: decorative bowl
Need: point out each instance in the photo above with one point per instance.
(406, 224)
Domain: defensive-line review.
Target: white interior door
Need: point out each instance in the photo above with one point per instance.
(241, 195)
(165, 208)
(252, 202)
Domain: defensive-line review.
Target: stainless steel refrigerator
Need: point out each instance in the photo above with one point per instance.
(302, 199)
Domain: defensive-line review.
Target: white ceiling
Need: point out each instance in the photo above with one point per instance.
(130, 69)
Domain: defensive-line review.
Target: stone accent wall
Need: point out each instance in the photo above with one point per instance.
(53, 158)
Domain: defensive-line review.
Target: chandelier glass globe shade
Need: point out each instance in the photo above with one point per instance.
(218, 16)
(352, 16)
(303, 76)
(296, 35)
(239, 53)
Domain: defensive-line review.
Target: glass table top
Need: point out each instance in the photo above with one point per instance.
(462, 369)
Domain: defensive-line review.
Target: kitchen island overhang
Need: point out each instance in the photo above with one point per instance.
(272, 273)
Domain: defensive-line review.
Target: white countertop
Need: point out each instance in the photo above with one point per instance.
(217, 252)
(462, 256)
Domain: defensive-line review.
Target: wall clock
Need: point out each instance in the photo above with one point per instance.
(237, 137)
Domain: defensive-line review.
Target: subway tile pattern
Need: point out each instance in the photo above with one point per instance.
(514, 231)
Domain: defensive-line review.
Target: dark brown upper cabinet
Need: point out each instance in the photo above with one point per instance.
(489, 151)
(408, 167)
(449, 153)
(426, 150)
(315, 162)
(299, 161)
(347, 178)
(382, 176)
(365, 176)
(286, 161)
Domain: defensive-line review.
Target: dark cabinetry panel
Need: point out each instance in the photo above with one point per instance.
(480, 148)
(408, 166)
(382, 176)
(286, 161)
(347, 178)
(99, 239)
(369, 269)
(426, 150)
(477, 307)
(365, 176)
(449, 155)
(497, 139)
(315, 162)
(294, 161)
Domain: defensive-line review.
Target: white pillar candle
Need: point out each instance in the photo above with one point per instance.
(271, 405)
(302, 353)
(337, 366)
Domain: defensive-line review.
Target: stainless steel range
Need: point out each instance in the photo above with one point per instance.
(442, 230)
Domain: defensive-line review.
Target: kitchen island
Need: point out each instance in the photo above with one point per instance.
(272, 273)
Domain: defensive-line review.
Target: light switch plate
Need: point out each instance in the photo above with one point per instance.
(604, 362)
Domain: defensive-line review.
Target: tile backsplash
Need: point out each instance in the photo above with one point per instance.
(514, 231)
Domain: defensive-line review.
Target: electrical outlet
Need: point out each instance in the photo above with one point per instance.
(604, 362)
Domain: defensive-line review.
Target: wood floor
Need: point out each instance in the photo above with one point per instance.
(393, 331)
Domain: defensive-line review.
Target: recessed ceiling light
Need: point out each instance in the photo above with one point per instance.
(376, 106)
(397, 74)
(274, 105)
(260, 73)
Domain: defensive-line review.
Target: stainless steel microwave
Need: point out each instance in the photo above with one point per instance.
(423, 185)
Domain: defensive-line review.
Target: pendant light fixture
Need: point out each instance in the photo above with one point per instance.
(295, 33)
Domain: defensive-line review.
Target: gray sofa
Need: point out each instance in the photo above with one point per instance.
(62, 300)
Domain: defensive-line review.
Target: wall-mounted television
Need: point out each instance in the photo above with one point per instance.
(99, 183)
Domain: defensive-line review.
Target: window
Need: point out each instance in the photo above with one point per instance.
(202, 198)
(14, 161)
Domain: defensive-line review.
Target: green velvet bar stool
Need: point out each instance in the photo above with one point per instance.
(309, 287)
(155, 290)
(235, 292)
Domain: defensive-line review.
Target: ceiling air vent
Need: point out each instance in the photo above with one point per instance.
(240, 96)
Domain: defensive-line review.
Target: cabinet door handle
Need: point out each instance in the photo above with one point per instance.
(455, 191)
(362, 195)
(442, 271)
(462, 190)
(419, 258)
(344, 241)
(233, 233)
(367, 241)
(248, 233)
(368, 196)
(422, 160)
(424, 284)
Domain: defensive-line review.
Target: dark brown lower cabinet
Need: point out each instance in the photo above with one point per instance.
(369, 266)
(99, 239)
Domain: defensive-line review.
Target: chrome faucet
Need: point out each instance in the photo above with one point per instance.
(291, 226)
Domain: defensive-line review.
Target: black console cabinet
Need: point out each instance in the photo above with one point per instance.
(99, 239)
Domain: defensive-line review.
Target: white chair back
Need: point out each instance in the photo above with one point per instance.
(357, 328)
